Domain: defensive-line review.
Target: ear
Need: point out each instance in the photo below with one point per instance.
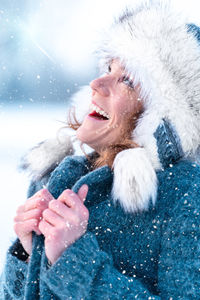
(82, 193)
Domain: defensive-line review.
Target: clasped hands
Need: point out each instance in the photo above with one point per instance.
(61, 221)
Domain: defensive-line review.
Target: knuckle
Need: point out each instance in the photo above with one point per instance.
(75, 220)
(85, 212)
(41, 202)
(41, 192)
(66, 193)
(46, 194)
(53, 204)
(63, 225)
(34, 222)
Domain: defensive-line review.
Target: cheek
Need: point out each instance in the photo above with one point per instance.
(124, 107)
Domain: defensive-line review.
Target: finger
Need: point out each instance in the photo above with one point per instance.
(67, 214)
(36, 203)
(26, 227)
(20, 209)
(82, 193)
(31, 214)
(45, 227)
(39, 200)
(59, 207)
(51, 217)
(68, 197)
(71, 199)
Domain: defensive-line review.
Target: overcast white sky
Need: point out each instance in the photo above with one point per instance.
(73, 26)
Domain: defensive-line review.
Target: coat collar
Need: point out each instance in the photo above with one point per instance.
(75, 171)
(99, 182)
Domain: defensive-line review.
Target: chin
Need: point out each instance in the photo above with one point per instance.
(80, 136)
(86, 140)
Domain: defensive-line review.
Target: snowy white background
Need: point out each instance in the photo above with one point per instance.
(54, 38)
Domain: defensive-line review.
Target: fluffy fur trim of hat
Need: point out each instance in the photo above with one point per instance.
(44, 157)
(135, 180)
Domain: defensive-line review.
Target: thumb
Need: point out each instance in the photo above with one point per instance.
(82, 193)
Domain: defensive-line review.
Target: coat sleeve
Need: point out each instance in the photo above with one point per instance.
(13, 277)
(14, 274)
(84, 271)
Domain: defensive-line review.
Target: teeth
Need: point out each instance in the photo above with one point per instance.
(99, 111)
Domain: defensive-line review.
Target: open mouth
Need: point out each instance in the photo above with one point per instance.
(98, 113)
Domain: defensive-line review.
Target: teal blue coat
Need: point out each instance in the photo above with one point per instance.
(148, 255)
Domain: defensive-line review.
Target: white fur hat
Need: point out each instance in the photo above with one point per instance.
(161, 52)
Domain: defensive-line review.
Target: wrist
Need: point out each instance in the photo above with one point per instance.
(18, 250)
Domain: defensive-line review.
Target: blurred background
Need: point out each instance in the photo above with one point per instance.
(45, 56)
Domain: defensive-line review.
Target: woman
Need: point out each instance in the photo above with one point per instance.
(123, 222)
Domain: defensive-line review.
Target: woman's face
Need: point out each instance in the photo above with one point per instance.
(114, 101)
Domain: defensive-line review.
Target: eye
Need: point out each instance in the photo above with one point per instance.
(129, 82)
(109, 69)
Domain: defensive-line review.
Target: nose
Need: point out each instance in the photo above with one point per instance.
(101, 86)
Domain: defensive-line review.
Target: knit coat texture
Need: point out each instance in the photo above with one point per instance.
(152, 254)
